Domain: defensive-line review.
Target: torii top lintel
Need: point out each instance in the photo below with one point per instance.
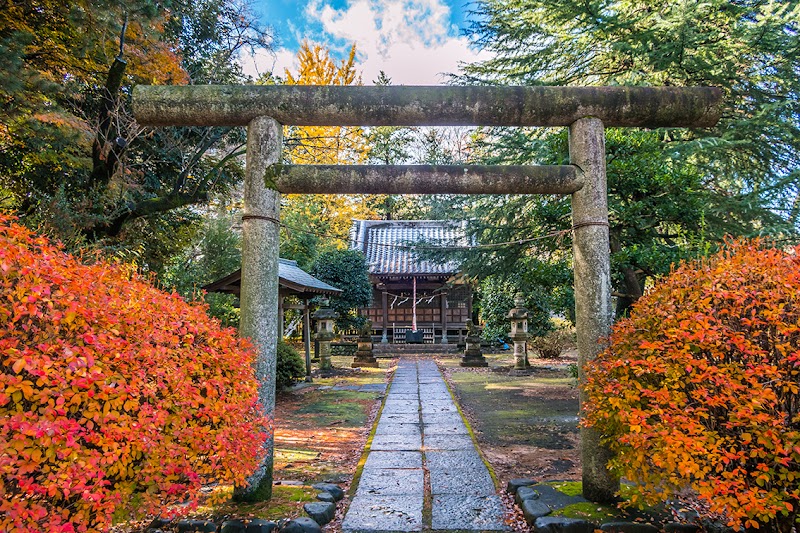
(312, 105)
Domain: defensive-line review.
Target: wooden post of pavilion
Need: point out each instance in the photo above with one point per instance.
(385, 308)
(307, 336)
(443, 311)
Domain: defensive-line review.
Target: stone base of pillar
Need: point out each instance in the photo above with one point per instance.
(474, 361)
(367, 361)
(520, 354)
(325, 354)
(473, 357)
(363, 356)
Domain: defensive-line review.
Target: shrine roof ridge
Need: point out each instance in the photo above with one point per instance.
(388, 244)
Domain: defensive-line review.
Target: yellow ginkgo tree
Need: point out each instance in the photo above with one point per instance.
(317, 223)
(324, 145)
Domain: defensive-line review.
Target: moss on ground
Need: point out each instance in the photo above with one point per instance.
(345, 408)
(288, 455)
(366, 374)
(570, 488)
(599, 513)
(539, 410)
(592, 512)
(286, 502)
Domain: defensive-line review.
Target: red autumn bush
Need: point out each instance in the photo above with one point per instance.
(111, 391)
(699, 387)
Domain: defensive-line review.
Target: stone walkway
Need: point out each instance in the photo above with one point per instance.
(423, 470)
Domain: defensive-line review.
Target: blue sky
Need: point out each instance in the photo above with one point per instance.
(413, 41)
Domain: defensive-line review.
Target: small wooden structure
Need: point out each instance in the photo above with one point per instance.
(412, 293)
(292, 281)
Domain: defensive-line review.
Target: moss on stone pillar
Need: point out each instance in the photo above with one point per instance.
(259, 291)
(592, 271)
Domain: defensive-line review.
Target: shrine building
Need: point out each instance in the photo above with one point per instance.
(414, 299)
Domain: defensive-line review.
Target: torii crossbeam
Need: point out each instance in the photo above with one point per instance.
(585, 110)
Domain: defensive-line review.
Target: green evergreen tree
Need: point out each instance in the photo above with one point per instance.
(346, 270)
(672, 193)
(213, 251)
(72, 160)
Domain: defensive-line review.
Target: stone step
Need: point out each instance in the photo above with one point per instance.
(391, 350)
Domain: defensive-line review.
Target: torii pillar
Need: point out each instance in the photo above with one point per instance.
(592, 275)
(259, 292)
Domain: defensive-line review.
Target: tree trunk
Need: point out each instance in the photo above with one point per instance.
(107, 148)
(632, 287)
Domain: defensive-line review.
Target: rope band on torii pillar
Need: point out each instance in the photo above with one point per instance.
(590, 223)
(261, 217)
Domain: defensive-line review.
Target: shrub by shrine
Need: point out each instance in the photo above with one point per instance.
(111, 393)
(700, 387)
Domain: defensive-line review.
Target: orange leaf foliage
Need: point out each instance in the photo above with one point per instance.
(699, 387)
(111, 390)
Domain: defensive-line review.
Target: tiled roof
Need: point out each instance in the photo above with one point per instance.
(290, 273)
(387, 244)
(290, 276)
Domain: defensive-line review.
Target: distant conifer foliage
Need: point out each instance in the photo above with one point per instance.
(700, 386)
(111, 392)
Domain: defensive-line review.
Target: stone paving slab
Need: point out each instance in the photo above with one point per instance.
(413, 393)
(391, 490)
(461, 481)
(398, 395)
(451, 511)
(400, 418)
(404, 407)
(378, 459)
(454, 460)
(449, 442)
(397, 442)
(429, 417)
(402, 398)
(439, 406)
(391, 482)
(393, 428)
(384, 513)
(446, 429)
(433, 388)
(435, 396)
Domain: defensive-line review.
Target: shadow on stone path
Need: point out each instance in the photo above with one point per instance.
(420, 432)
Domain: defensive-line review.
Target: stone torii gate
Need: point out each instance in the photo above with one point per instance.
(585, 110)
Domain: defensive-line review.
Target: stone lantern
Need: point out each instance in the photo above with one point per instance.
(325, 317)
(472, 354)
(519, 331)
(364, 356)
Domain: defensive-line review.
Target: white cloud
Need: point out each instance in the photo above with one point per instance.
(412, 41)
(264, 62)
